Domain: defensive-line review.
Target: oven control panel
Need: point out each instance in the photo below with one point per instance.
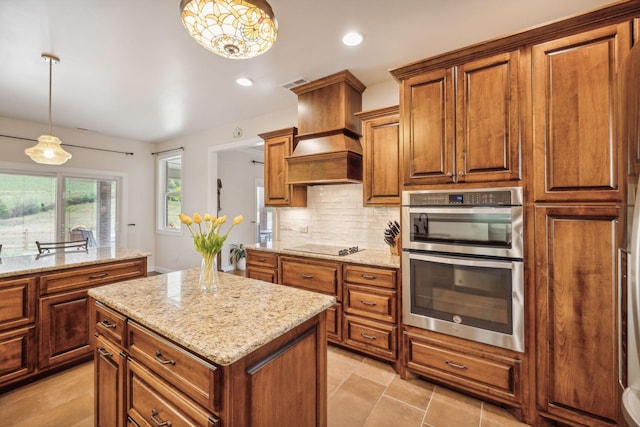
(496, 197)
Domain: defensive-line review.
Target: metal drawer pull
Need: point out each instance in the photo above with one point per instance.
(158, 422)
(307, 276)
(106, 324)
(104, 352)
(160, 359)
(98, 276)
(368, 302)
(369, 337)
(365, 276)
(455, 365)
(260, 259)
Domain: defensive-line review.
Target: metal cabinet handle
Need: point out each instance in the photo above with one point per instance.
(98, 276)
(449, 174)
(455, 365)
(306, 276)
(461, 173)
(162, 360)
(260, 259)
(103, 352)
(369, 337)
(157, 421)
(107, 324)
(367, 302)
(368, 277)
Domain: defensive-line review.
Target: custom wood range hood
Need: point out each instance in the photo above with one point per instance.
(327, 148)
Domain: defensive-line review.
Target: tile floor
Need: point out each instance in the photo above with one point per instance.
(362, 392)
(366, 393)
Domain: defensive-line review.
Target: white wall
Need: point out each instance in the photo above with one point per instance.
(238, 194)
(137, 170)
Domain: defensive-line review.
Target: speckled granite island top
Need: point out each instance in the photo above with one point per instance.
(30, 264)
(373, 257)
(224, 326)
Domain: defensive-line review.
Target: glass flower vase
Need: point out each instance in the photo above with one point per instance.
(209, 273)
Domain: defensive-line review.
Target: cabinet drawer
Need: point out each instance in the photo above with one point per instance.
(153, 402)
(193, 376)
(17, 302)
(487, 373)
(110, 324)
(370, 276)
(370, 302)
(17, 354)
(262, 259)
(88, 277)
(266, 275)
(318, 277)
(374, 337)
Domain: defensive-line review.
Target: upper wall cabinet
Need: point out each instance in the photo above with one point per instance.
(576, 142)
(381, 156)
(461, 123)
(277, 146)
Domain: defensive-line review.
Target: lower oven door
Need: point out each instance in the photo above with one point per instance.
(473, 298)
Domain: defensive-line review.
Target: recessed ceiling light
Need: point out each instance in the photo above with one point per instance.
(244, 81)
(352, 39)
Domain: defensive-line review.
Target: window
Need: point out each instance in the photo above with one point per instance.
(54, 207)
(169, 192)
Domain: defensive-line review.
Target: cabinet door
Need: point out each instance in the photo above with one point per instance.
(381, 177)
(278, 145)
(109, 384)
(576, 142)
(488, 117)
(576, 286)
(17, 302)
(64, 329)
(17, 354)
(427, 111)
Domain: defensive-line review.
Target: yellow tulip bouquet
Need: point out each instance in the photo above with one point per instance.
(208, 240)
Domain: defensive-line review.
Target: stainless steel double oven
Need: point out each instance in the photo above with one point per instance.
(462, 264)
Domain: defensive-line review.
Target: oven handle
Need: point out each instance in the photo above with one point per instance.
(466, 209)
(475, 262)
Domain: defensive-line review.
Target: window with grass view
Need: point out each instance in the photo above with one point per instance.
(170, 192)
(53, 208)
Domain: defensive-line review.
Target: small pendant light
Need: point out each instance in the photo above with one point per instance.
(48, 150)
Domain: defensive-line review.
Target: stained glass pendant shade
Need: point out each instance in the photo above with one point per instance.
(48, 150)
(237, 29)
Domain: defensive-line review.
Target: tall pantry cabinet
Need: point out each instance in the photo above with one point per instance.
(577, 186)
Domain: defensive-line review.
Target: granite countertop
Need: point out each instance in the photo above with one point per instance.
(224, 326)
(373, 257)
(29, 264)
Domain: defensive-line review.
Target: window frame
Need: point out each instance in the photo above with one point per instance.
(163, 192)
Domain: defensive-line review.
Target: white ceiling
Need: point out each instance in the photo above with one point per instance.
(129, 69)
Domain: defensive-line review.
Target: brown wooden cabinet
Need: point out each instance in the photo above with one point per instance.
(381, 156)
(277, 192)
(477, 369)
(575, 136)
(262, 265)
(109, 367)
(576, 300)
(461, 123)
(318, 276)
(371, 310)
(44, 317)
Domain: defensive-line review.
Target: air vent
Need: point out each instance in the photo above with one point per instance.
(297, 82)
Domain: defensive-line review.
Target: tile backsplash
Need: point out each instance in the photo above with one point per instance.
(335, 216)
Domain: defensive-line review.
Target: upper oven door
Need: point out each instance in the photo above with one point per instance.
(490, 231)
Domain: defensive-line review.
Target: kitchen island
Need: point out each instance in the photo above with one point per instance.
(249, 354)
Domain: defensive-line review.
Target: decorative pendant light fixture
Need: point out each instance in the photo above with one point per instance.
(48, 150)
(237, 29)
